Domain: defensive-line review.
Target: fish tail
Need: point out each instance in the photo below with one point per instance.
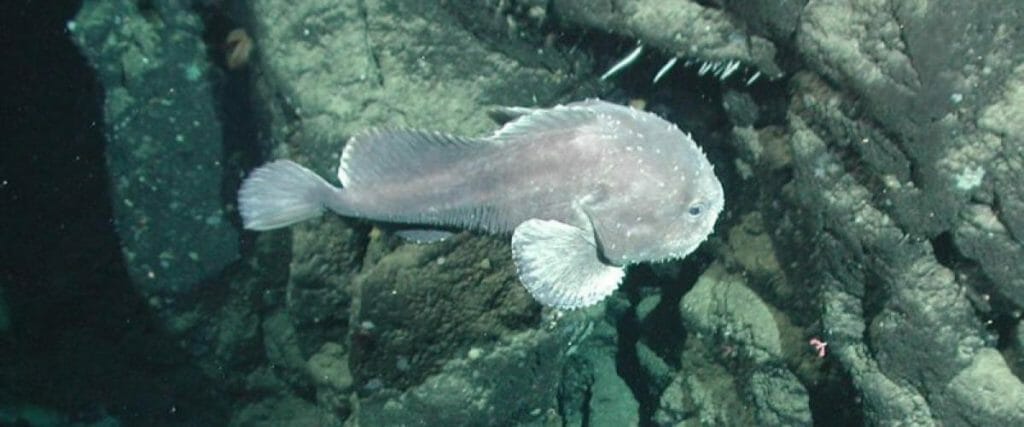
(282, 193)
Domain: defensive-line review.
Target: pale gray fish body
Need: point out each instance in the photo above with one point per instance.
(585, 189)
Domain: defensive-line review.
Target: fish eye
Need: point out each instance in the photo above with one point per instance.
(696, 209)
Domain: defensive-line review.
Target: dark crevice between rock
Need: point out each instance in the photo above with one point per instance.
(709, 4)
(875, 296)
(662, 330)
(998, 205)
(241, 129)
(364, 16)
(836, 266)
(945, 251)
(771, 99)
(575, 392)
(998, 314)
(83, 340)
(626, 362)
(835, 401)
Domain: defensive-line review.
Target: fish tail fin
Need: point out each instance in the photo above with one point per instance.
(282, 193)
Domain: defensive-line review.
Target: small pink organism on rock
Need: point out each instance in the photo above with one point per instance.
(819, 346)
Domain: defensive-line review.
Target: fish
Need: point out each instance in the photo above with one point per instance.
(586, 189)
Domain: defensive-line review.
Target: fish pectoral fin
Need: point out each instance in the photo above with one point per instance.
(559, 265)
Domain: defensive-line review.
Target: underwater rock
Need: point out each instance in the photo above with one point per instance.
(328, 370)
(702, 393)
(990, 392)
(733, 357)
(722, 309)
(610, 401)
(165, 140)
(903, 159)
(421, 305)
(778, 396)
(283, 411)
(889, 185)
(514, 382)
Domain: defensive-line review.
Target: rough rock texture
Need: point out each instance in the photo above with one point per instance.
(607, 398)
(391, 63)
(875, 189)
(906, 160)
(165, 150)
(515, 381)
(465, 294)
(740, 343)
(900, 170)
(721, 305)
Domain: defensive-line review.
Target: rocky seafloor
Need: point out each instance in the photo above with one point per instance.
(868, 267)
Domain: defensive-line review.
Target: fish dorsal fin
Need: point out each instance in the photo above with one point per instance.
(559, 264)
(397, 155)
(531, 123)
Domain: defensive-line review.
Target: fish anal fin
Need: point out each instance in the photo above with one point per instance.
(424, 235)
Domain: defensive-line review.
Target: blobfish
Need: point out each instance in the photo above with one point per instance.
(585, 190)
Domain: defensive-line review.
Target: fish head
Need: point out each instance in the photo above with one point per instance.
(661, 202)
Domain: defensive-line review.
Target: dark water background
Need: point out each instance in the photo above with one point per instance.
(81, 341)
